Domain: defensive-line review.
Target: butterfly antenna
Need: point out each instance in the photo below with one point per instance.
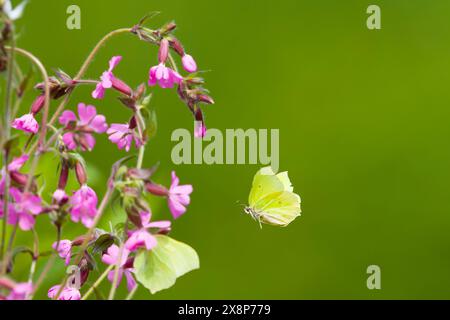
(238, 202)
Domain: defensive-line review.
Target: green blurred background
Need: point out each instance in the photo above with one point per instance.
(363, 118)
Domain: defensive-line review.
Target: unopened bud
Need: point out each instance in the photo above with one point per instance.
(168, 27)
(121, 86)
(163, 50)
(63, 176)
(205, 99)
(176, 45)
(133, 123)
(80, 172)
(19, 178)
(156, 189)
(38, 103)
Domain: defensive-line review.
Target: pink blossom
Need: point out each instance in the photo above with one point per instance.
(26, 123)
(80, 130)
(21, 291)
(189, 63)
(84, 206)
(163, 76)
(123, 136)
(64, 249)
(24, 208)
(111, 257)
(108, 80)
(66, 294)
(18, 163)
(60, 197)
(142, 237)
(178, 197)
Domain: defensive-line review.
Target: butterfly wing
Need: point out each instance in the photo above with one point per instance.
(265, 182)
(278, 208)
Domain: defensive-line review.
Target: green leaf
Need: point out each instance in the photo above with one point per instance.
(159, 268)
(103, 242)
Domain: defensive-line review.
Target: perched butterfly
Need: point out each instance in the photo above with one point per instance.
(272, 200)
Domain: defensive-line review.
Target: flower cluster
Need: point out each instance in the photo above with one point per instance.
(25, 197)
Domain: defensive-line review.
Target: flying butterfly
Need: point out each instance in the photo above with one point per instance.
(272, 200)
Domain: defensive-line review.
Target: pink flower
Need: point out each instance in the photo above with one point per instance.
(24, 208)
(178, 197)
(163, 76)
(64, 249)
(111, 258)
(123, 136)
(26, 123)
(84, 206)
(80, 134)
(189, 63)
(18, 163)
(60, 197)
(108, 80)
(21, 291)
(66, 293)
(141, 237)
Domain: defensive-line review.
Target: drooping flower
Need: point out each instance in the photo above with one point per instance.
(21, 291)
(64, 249)
(25, 207)
(178, 197)
(67, 293)
(142, 238)
(111, 257)
(160, 74)
(81, 130)
(84, 206)
(163, 76)
(123, 136)
(26, 123)
(189, 63)
(108, 80)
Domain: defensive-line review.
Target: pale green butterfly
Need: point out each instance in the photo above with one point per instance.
(272, 200)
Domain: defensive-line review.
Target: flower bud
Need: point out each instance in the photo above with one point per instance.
(176, 45)
(133, 123)
(168, 27)
(63, 176)
(163, 50)
(19, 178)
(121, 86)
(156, 189)
(189, 63)
(81, 174)
(205, 99)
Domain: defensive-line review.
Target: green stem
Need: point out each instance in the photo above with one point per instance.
(118, 264)
(89, 234)
(7, 134)
(131, 294)
(97, 283)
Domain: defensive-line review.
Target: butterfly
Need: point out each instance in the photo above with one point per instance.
(272, 200)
